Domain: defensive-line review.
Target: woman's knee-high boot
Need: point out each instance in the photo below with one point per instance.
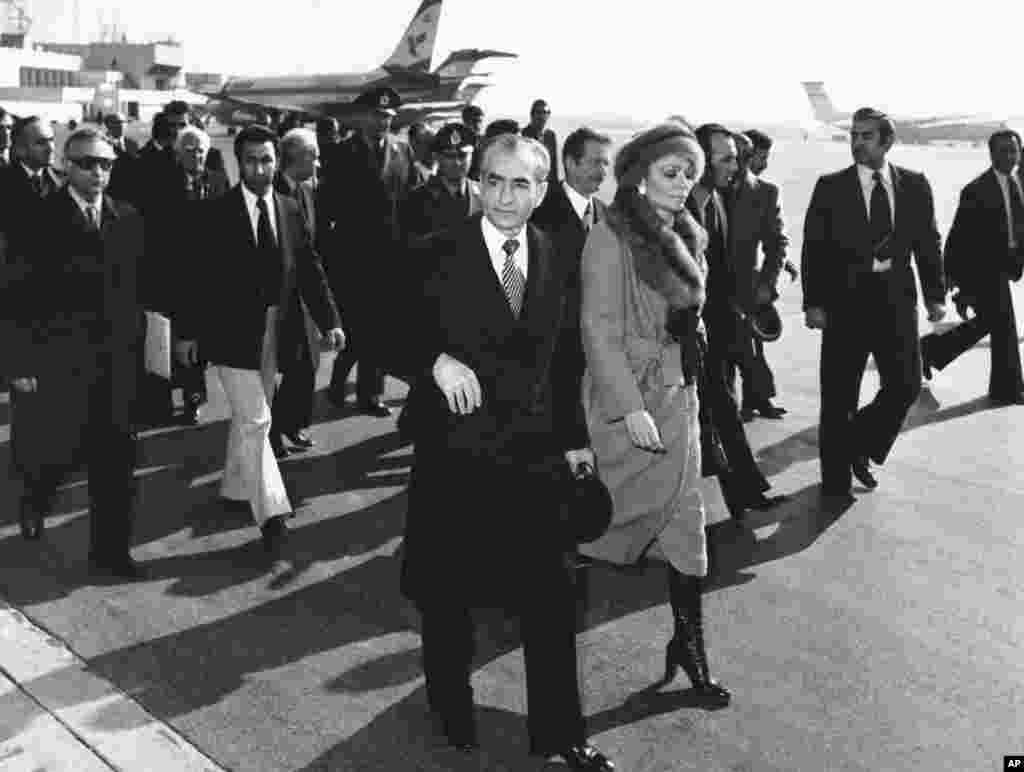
(686, 649)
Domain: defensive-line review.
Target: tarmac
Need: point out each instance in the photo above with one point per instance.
(886, 637)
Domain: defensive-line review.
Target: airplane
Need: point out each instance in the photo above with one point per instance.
(423, 92)
(915, 130)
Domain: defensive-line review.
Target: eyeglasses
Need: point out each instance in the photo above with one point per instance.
(91, 162)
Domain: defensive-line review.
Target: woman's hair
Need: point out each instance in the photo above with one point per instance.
(636, 156)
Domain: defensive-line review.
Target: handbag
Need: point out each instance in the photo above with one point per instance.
(586, 506)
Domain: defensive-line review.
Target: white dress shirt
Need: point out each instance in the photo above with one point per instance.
(579, 201)
(254, 214)
(867, 186)
(83, 204)
(495, 239)
(1004, 185)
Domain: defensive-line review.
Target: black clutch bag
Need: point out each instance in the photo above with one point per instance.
(586, 506)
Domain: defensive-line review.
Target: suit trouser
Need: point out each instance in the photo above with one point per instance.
(554, 712)
(871, 325)
(293, 403)
(251, 472)
(758, 380)
(67, 422)
(744, 478)
(994, 317)
(369, 378)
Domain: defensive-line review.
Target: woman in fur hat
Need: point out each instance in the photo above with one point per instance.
(643, 285)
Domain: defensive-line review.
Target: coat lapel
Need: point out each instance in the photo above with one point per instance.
(244, 224)
(537, 280)
(856, 193)
(481, 273)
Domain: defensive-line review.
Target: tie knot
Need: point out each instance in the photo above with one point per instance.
(261, 205)
(510, 247)
(877, 177)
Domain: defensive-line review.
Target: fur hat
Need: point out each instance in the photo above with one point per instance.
(636, 156)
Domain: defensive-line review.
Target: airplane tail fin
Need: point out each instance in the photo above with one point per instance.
(460, 64)
(821, 104)
(416, 48)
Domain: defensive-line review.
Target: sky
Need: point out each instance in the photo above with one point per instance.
(642, 58)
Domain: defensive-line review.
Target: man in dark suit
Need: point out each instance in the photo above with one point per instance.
(862, 226)
(743, 484)
(984, 253)
(538, 129)
(258, 255)
(492, 435)
(755, 215)
(448, 197)
(293, 404)
(362, 242)
(25, 183)
(473, 120)
(73, 293)
(123, 145)
(569, 210)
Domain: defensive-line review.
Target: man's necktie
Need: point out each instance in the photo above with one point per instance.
(716, 237)
(588, 217)
(91, 216)
(37, 184)
(881, 212)
(1016, 211)
(512, 279)
(264, 235)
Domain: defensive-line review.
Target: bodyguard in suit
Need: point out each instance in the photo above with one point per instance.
(258, 265)
(538, 129)
(448, 197)
(363, 242)
(862, 226)
(569, 210)
(292, 408)
(743, 485)
(757, 225)
(491, 434)
(73, 295)
(984, 253)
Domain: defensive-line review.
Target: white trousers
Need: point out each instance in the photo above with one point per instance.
(251, 472)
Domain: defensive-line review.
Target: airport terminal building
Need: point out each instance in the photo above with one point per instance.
(65, 81)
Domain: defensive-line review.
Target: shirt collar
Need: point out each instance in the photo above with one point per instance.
(578, 200)
(251, 198)
(866, 173)
(31, 172)
(82, 203)
(495, 238)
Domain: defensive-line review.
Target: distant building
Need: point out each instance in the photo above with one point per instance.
(146, 66)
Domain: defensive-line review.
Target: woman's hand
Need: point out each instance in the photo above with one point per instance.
(643, 431)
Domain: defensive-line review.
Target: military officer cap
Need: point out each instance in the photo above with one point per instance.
(382, 99)
(452, 137)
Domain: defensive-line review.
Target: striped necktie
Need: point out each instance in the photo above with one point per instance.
(512, 279)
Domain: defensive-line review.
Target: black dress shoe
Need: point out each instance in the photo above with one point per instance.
(861, 468)
(274, 534)
(585, 758)
(300, 439)
(747, 415)
(762, 502)
(374, 408)
(121, 567)
(768, 410)
(277, 445)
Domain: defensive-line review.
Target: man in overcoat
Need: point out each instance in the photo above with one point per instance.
(492, 437)
(863, 224)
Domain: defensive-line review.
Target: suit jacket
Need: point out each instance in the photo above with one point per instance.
(226, 311)
(19, 212)
(976, 254)
(755, 218)
(73, 297)
(837, 250)
(549, 139)
(431, 208)
(484, 479)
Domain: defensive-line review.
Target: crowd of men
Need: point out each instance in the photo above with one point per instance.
(97, 262)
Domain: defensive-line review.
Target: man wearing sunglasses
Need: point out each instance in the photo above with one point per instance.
(76, 374)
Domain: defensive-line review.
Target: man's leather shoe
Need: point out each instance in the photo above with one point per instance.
(585, 758)
(1007, 399)
(123, 567)
(768, 410)
(374, 408)
(747, 415)
(763, 502)
(277, 445)
(300, 439)
(274, 534)
(861, 468)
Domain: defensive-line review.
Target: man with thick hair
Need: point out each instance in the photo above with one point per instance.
(492, 436)
(537, 128)
(75, 376)
(863, 224)
(984, 253)
(259, 255)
